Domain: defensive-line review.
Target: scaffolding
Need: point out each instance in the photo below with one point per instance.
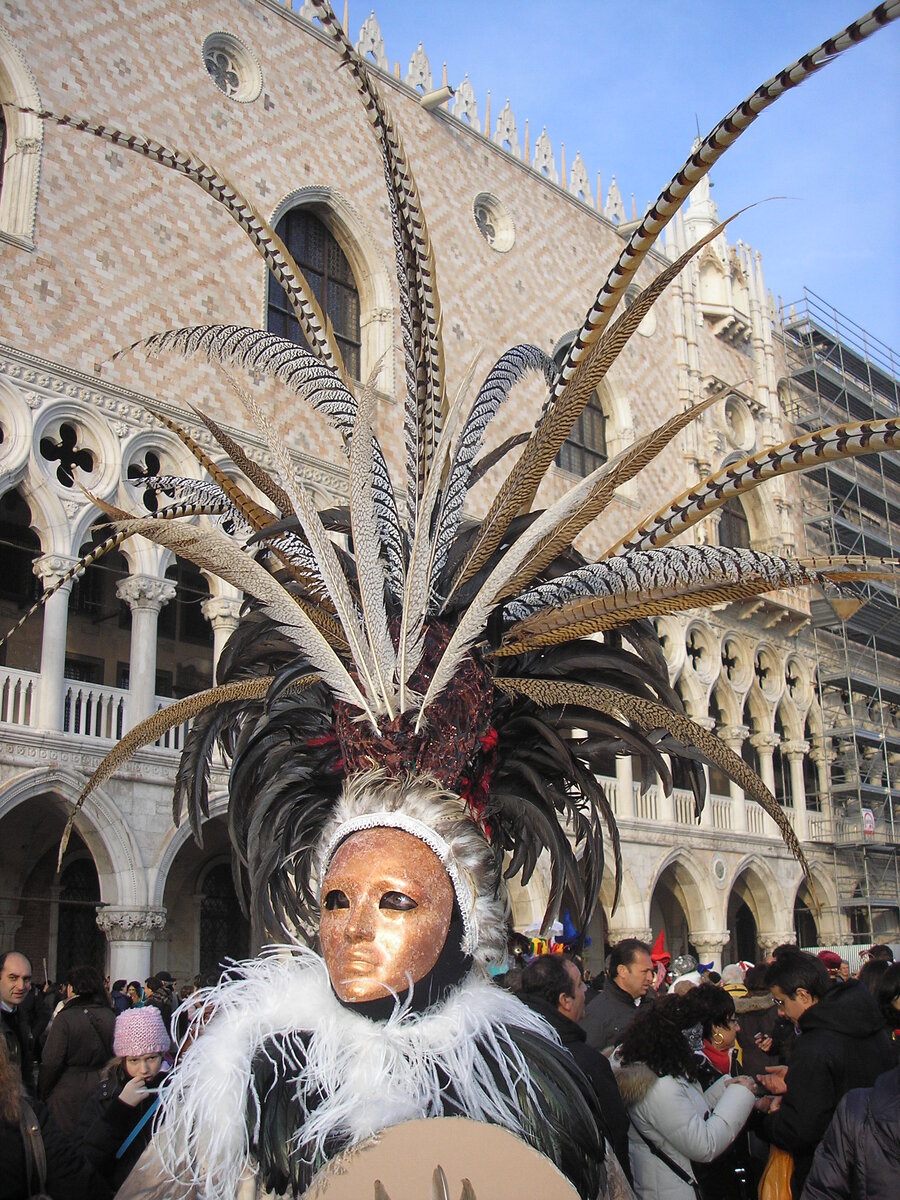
(836, 372)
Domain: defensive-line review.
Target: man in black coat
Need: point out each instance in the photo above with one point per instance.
(554, 987)
(843, 1044)
(15, 985)
(630, 976)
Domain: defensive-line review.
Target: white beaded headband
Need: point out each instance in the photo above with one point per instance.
(434, 841)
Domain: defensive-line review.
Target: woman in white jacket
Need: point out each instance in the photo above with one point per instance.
(674, 1122)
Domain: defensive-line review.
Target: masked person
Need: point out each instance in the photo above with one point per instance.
(414, 705)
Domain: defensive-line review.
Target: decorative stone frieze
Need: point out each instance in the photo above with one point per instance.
(370, 43)
(121, 924)
(418, 76)
(50, 568)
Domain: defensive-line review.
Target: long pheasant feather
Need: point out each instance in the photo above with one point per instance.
(152, 728)
(621, 469)
(649, 715)
(799, 454)
(416, 269)
(648, 583)
(702, 159)
(252, 470)
(324, 550)
(264, 239)
(555, 425)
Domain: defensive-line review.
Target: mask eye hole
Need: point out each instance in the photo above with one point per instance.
(397, 902)
(336, 899)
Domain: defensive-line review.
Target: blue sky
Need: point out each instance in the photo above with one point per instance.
(627, 84)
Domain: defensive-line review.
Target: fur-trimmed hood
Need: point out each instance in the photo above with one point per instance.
(751, 1003)
(635, 1081)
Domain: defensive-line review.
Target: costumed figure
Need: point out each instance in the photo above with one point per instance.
(413, 718)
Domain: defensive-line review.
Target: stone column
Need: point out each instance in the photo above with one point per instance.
(624, 786)
(794, 752)
(51, 695)
(223, 613)
(130, 933)
(145, 596)
(9, 927)
(709, 944)
(765, 744)
(733, 737)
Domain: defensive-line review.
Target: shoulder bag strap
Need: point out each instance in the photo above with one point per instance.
(673, 1166)
(35, 1154)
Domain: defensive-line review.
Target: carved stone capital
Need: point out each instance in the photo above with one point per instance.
(222, 610)
(792, 750)
(709, 942)
(122, 924)
(782, 937)
(50, 568)
(145, 592)
(733, 735)
(619, 935)
(765, 741)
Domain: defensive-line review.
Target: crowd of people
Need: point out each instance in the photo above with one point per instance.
(701, 1079)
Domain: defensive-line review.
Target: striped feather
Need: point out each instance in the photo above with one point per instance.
(152, 728)
(521, 485)
(211, 550)
(416, 271)
(366, 544)
(501, 379)
(651, 582)
(264, 239)
(799, 454)
(251, 470)
(325, 554)
(619, 470)
(649, 715)
(702, 159)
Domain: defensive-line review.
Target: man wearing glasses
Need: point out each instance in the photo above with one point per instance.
(842, 1044)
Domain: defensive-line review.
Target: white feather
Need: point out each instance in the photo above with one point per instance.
(370, 1075)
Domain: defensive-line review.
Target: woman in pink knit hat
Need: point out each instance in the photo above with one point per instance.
(119, 1124)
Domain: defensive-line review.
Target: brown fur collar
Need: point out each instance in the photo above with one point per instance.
(635, 1081)
(746, 1004)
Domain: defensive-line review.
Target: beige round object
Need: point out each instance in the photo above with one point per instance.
(445, 1157)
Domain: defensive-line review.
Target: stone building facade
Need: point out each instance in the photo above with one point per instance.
(99, 248)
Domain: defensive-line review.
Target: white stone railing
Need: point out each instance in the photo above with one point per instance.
(684, 807)
(756, 819)
(18, 696)
(92, 710)
(722, 816)
(646, 804)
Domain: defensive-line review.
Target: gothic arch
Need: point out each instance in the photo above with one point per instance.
(178, 836)
(100, 824)
(24, 144)
(823, 902)
(370, 273)
(758, 886)
(698, 900)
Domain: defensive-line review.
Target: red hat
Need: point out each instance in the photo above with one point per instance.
(831, 960)
(659, 953)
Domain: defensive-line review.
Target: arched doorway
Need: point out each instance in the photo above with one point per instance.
(805, 927)
(743, 944)
(79, 941)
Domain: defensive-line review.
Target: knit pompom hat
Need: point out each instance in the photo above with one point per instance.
(140, 1031)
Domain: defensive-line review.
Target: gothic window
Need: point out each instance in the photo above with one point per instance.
(585, 448)
(328, 273)
(734, 528)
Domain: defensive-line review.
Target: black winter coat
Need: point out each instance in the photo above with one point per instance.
(606, 1018)
(106, 1124)
(859, 1157)
(79, 1044)
(69, 1177)
(595, 1066)
(19, 1045)
(843, 1044)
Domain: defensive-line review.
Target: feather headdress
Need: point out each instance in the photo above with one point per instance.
(487, 655)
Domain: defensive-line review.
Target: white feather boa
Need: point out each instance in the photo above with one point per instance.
(370, 1074)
